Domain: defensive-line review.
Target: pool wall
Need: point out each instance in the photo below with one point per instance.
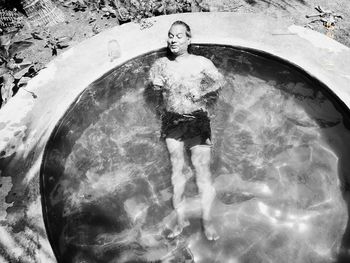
(26, 123)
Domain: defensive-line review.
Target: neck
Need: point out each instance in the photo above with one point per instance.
(181, 56)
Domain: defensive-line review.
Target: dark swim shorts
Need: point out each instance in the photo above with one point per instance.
(193, 129)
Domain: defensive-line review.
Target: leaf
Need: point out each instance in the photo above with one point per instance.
(6, 39)
(22, 70)
(54, 51)
(23, 81)
(3, 70)
(160, 9)
(6, 90)
(18, 60)
(4, 54)
(37, 35)
(82, 2)
(112, 11)
(62, 45)
(63, 39)
(34, 70)
(19, 46)
(92, 19)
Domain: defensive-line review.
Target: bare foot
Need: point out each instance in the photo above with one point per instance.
(209, 231)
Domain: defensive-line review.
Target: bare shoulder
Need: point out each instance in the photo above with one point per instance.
(161, 60)
(205, 62)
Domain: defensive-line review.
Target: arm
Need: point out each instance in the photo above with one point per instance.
(155, 86)
(213, 80)
(156, 75)
(211, 83)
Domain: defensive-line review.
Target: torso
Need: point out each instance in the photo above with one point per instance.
(185, 80)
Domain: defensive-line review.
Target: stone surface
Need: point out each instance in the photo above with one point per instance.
(27, 123)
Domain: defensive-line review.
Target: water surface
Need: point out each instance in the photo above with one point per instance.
(281, 141)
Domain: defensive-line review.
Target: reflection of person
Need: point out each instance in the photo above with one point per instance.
(187, 82)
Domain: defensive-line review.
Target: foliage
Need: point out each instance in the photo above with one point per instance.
(327, 17)
(135, 10)
(52, 42)
(57, 43)
(80, 5)
(10, 20)
(12, 68)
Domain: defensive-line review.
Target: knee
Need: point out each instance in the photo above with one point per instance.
(178, 180)
(177, 165)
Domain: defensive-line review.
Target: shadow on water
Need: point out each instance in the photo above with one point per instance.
(105, 178)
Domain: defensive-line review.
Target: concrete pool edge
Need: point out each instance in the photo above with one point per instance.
(27, 123)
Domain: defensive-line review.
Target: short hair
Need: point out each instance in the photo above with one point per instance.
(187, 27)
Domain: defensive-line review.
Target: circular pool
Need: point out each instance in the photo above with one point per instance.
(281, 141)
(85, 155)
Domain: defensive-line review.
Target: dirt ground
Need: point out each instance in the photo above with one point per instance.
(82, 24)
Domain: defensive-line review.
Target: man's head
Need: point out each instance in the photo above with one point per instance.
(179, 38)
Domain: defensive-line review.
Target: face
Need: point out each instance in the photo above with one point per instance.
(178, 42)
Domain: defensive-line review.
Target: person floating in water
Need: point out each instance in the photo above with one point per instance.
(187, 83)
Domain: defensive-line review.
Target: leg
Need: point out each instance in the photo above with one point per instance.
(176, 151)
(200, 156)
